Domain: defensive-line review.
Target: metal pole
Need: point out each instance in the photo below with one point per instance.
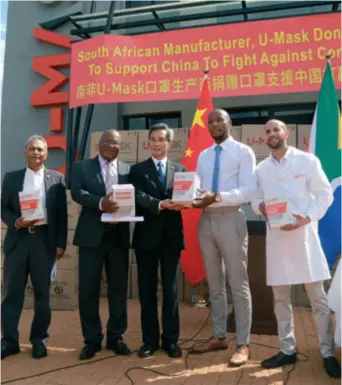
(75, 136)
(90, 110)
(68, 156)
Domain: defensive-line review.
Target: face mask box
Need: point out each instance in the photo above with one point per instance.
(31, 205)
(124, 196)
(279, 213)
(185, 188)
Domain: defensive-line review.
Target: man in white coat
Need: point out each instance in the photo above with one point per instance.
(293, 251)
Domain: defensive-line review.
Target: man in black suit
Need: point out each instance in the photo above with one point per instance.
(31, 247)
(159, 239)
(101, 244)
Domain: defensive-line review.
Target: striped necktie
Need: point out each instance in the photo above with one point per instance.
(110, 176)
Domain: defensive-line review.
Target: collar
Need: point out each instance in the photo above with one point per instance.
(156, 161)
(224, 144)
(286, 156)
(40, 172)
(103, 161)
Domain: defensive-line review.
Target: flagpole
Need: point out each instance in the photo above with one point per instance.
(202, 302)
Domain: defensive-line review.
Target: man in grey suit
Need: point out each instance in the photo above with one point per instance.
(31, 247)
(101, 244)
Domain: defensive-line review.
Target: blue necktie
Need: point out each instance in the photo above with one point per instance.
(215, 183)
(161, 173)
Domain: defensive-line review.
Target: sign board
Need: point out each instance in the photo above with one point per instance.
(261, 57)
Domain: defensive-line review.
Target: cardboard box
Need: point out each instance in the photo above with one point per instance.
(185, 187)
(236, 133)
(254, 136)
(177, 148)
(303, 136)
(74, 211)
(279, 213)
(63, 292)
(124, 195)
(71, 255)
(3, 233)
(128, 148)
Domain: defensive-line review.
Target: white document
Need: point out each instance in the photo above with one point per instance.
(185, 188)
(109, 218)
(31, 205)
(53, 271)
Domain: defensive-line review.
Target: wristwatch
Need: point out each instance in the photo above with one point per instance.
(217, 197)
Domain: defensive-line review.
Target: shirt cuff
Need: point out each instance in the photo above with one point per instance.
(100, 204)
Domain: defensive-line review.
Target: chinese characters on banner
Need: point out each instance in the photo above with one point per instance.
(262, 57)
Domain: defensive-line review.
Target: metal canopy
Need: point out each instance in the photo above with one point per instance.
(189, 14)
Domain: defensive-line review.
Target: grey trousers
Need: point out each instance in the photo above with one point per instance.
(223, 239)
(321, 312)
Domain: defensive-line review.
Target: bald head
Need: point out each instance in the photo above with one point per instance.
(219, 125)
(276, 134)
(109, 144)
(219, 111)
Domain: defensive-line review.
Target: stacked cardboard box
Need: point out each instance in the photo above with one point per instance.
(303, 135)
(128, 147)
(254, 136)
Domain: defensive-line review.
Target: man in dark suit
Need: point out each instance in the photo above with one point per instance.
(31, 247)
(101, 244)
(159, 239)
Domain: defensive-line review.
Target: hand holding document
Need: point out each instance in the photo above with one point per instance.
(31, 205)
(123, 195)
(53, 272)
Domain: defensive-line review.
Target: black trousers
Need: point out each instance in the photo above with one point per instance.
(114, 257)
(148, 262)
(31, 255)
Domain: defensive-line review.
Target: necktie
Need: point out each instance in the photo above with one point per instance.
(109, 177)
(215, 183)
(161, 173)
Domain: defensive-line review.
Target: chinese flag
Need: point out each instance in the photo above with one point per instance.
(199, 139)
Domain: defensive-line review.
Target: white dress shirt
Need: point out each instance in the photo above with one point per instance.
(104, 164)
(163, 162)
(35, 181)
(237, 181)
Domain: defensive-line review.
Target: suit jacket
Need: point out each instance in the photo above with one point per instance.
(149, 192)
(56, 207)
(87, 189)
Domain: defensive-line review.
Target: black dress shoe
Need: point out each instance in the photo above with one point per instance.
(332, 367)
(39, 350)
(278, 360)
(88, 351)
(146, 351)
(8, 350)
(118, 347)
(173, 350)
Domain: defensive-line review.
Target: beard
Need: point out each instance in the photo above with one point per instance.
(278, 144)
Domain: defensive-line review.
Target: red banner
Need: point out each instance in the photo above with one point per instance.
(254, 58)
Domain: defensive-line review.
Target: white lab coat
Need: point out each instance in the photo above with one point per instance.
(295, 257)
(334, 298)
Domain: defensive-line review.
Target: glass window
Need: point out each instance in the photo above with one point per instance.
(144, 122)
